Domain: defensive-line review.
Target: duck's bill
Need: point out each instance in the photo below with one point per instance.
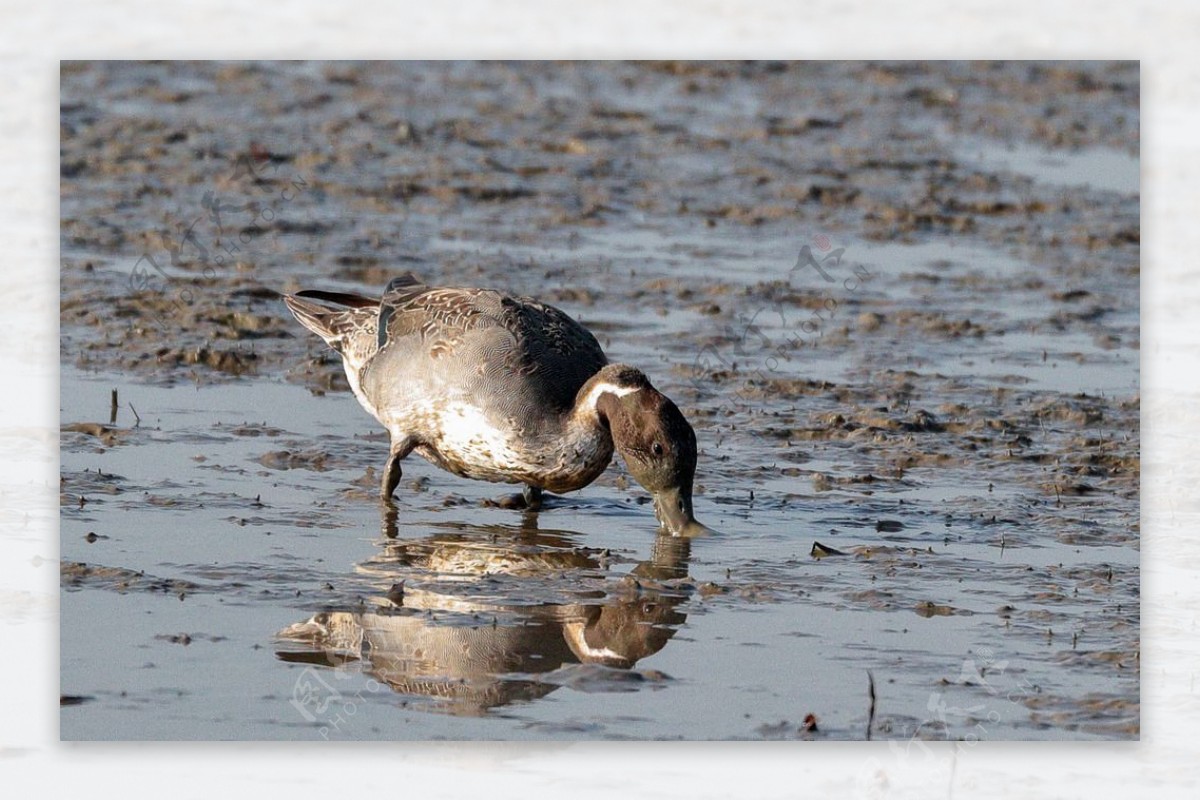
(674, 510)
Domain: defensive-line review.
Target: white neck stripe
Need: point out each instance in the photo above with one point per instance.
(590, 401)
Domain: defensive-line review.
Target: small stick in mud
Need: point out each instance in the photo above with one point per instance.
(137, 419)
(112, 412)
(871, 712)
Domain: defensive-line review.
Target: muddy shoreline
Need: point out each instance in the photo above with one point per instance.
(898, 302)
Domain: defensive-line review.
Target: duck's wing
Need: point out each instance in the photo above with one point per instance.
(438, 316)
(491, 341)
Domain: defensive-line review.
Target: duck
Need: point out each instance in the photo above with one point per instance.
(503, 388)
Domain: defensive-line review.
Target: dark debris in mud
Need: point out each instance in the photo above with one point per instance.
(78, 575)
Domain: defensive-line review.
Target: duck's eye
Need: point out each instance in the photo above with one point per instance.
(657, 448)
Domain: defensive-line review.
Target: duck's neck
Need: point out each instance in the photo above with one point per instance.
(581, 446)
(585, 441)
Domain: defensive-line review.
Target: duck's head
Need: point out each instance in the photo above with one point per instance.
(655, 440)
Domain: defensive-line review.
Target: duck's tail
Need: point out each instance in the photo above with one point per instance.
(353, 318)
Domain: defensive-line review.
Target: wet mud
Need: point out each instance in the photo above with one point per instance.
(898, 303)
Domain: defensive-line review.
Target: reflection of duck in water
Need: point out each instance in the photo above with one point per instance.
(467, 651)
(501, 388)
(472, 668)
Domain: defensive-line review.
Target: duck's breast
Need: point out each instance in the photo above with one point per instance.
(469, 442)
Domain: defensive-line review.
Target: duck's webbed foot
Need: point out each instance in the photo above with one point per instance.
(530, 499)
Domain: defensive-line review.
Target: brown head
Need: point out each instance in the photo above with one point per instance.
(653, 437)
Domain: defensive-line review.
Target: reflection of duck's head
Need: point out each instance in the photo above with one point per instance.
(619, 634)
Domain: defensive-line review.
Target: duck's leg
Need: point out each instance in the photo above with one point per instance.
(391, 477)
(401, 447)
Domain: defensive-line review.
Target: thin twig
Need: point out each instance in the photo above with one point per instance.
(137, 419)
(871, 713)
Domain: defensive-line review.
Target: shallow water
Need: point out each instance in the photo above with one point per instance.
(951, 402)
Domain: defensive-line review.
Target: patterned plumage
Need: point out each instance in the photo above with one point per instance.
(526, 351)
